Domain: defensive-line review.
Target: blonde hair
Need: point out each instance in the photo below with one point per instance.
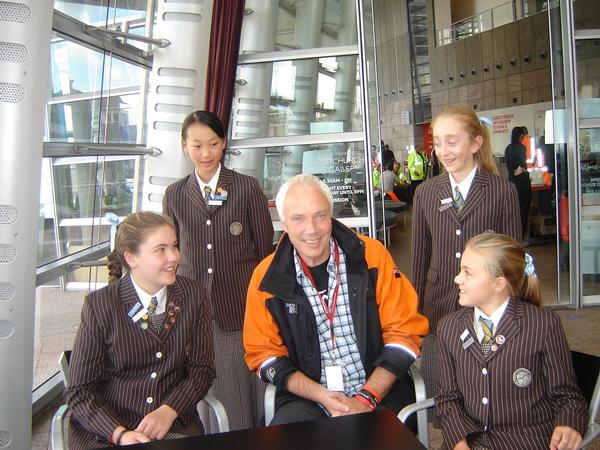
(131, 234)
(305, 179)
(505, 257)
(484, 158)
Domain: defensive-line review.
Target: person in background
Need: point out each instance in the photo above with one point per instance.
(329, 319)
(417, 165)
(224, 229)
(389, 177)
(143, 354)
(507, 380)
(515, 155)
(468, 199)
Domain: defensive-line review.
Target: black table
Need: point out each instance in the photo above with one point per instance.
(380, 430)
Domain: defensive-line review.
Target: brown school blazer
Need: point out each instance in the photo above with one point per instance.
(439, 235)
(113, 359)
(221, 245)
(520, 392)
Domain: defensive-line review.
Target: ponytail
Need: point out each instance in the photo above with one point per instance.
(115, 267)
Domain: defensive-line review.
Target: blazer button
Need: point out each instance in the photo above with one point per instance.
(153, 375)
(209, 246)
(149, 400)
(484, 371)
(210, 270)
(457, 254)
(159, 355)
(208, 222)
(485, 400)
(458, 232)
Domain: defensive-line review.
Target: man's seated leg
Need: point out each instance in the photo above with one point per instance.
(290, 408)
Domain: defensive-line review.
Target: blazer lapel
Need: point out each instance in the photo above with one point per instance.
(127, 292)
(193, 192)
(444, 192)
(173, 309)
(509, 326)
(476, 194)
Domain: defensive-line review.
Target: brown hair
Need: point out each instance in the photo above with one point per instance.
(484, 158)
(505, 257)
(131, 233)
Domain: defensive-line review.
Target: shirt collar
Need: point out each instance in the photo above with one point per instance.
(145, 298)
(465, 184)
(212, 183)
(495, 317)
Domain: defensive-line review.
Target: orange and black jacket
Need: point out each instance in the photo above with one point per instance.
(279, 321)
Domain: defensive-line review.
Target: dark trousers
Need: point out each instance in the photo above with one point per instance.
(413, 188)
(523, 185)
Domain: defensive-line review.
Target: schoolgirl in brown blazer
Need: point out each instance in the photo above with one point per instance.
(443, 222)
(224, 230)
(506, 379)
(143, 355)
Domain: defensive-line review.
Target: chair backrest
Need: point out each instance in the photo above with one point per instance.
(587, 371)
(63, 363)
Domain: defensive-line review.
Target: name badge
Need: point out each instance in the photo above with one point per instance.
(334, 378)
(215, 202)
(141, 313)
(445, 201)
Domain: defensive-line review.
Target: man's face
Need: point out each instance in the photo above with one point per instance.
(308, 223)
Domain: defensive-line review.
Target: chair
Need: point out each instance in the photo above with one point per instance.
(57, 427)
(587, 371)
(415, 374)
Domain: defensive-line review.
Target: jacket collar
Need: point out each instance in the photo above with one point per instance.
(509, 327)
(193, 190)
(280, 277)
(476, 195)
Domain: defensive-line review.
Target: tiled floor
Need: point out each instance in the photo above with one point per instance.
(57, 316)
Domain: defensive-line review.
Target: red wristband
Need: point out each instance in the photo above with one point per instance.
(372, 391)
(365, 402)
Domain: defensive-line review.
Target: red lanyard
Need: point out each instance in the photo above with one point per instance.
(329, 312)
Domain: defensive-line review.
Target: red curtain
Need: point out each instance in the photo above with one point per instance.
(226, 27)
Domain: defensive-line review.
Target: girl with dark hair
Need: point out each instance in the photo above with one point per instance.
(143, 355)
(507, 380)
(515, 155)
(224, 230)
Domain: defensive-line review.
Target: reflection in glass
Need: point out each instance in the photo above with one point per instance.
(588, 78)
(98, 12)
(297, 20)
(76, 194)
(93, 98)
(589, 146)
(306, 97)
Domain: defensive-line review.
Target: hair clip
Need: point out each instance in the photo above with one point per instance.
(529, 267)
(485, 121)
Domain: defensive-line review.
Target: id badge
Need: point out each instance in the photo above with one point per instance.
(334, 378)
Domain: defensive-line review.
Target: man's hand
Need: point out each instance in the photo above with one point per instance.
(355, 407)
(157, 423)
(565, 438)
(518, 171)
(462, 445)
(335, 403)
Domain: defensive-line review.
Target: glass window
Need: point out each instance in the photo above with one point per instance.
(341, 166)
(306, 97)
(102, 12)
(75, 196)
(586, 14)
(588, 78)
(93, 98)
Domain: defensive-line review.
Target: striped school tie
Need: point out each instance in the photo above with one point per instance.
(152, 306)
(488, 330)
(207, 191)
(458, 199)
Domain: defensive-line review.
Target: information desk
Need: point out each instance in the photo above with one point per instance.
(380, 430)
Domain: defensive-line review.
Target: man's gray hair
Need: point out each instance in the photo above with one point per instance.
(305, 179)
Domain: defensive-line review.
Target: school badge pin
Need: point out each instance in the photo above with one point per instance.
(236, 228)
(522, 377)
(500, 339)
